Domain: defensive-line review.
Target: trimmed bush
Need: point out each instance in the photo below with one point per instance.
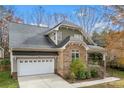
(78, 67)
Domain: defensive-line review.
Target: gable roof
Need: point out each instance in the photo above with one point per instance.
(64, 23)
(27, 36)
(70, 24)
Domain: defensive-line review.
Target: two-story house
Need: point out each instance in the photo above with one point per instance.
(41, 50)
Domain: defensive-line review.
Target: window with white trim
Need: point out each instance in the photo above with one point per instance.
(75, 54)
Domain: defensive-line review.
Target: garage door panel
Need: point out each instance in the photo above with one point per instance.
(35, 66)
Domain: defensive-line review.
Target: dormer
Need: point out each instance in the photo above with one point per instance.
(66, 29)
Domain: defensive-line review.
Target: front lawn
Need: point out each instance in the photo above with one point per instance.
(115, 84)
(6, 81)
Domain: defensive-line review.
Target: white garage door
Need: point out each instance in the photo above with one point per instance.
(35, 66)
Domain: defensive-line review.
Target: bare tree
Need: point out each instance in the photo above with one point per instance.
(38, 15)
(53, 19)
(48, 20)
(8, 15)
(58, 17)
(90, 18)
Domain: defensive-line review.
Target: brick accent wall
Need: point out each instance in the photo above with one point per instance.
(59, 64)
(65, 58)
(67, 55)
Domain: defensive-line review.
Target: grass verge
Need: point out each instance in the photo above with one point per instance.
(6, 81)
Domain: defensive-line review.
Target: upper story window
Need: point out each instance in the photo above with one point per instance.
(75, 54)
(54, 36)
(59, 35)
(78, 36)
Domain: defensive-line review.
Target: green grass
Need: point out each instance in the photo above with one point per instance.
(114, 84)
(6, 81)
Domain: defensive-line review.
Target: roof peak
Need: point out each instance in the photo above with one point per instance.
(66, 22)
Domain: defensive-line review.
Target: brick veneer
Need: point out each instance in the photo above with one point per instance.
(65, 57)
(14, 75)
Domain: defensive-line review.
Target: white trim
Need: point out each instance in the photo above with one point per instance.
(36, 49)
(11, 61)
(32, 56)
(56, 38)
(83, 43)
(75, 52)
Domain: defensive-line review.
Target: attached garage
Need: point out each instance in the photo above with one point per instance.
(35, 66)
(33, 62)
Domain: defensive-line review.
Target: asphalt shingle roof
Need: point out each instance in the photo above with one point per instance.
(27, 36)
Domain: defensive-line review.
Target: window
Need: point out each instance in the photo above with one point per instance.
(54, 36)
(75, 54)
(59, 36)
(43, 60)
(35, 61)
(50, 60)
(39, 60)
(26, 61)
(21, 61)
(46, 60)
(30, 61)
(78, 36)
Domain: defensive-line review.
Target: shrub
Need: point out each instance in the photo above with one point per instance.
(81, 75)
(72, 76)
(5, 62)
(78, 67)
(88, 74)
(96, 70)
(94, 73)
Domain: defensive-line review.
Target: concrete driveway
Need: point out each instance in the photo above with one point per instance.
(43, 81)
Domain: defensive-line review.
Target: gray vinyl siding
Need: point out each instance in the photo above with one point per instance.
(66, 33)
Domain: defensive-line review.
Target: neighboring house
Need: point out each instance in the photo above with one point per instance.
(40, 50)
(1, 53)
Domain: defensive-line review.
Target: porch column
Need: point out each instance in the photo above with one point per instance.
(104, 60)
